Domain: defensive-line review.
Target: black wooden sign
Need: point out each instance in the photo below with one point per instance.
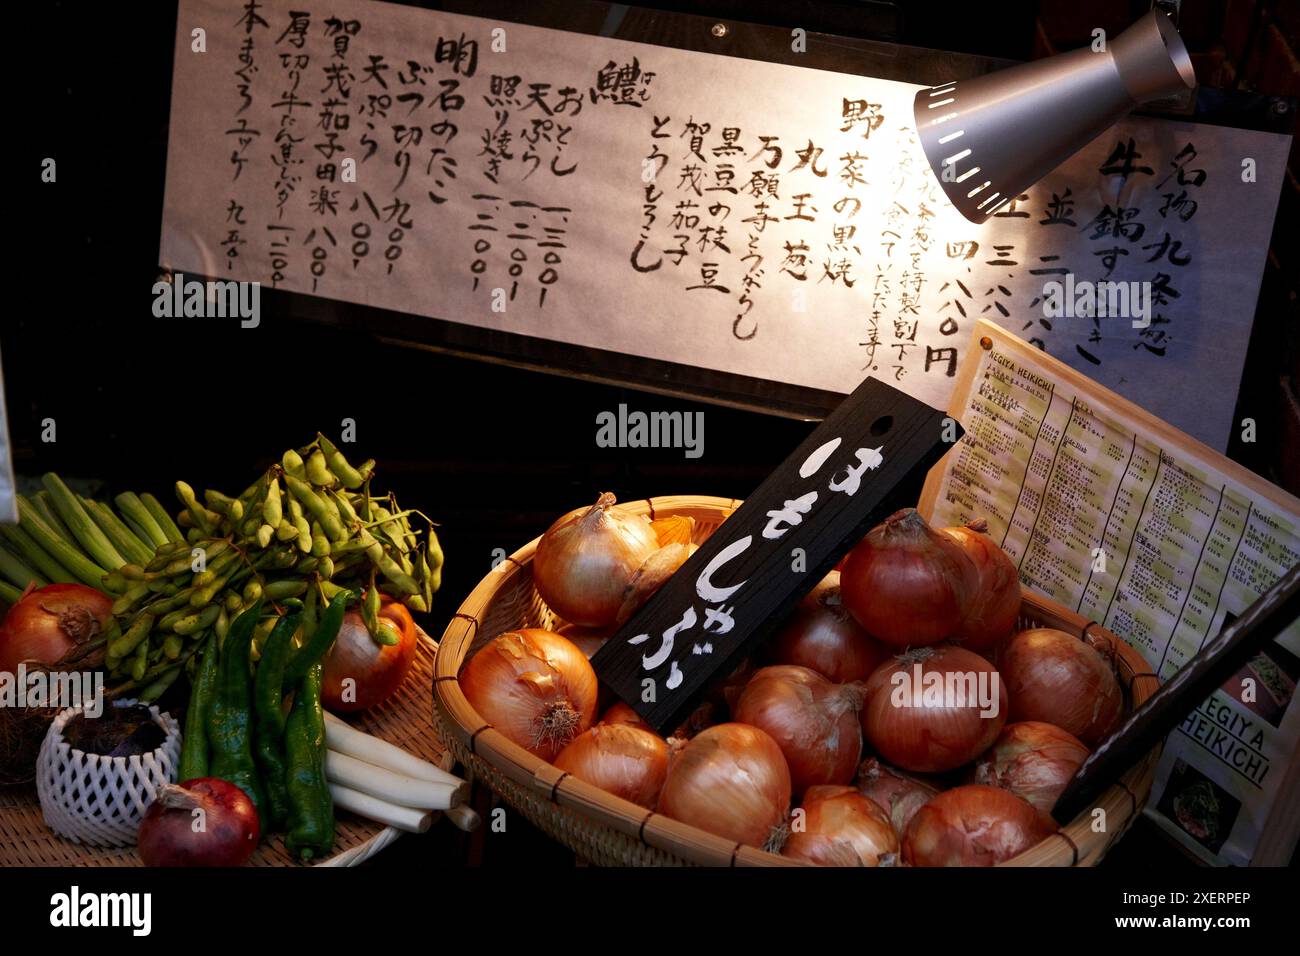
(865, 461)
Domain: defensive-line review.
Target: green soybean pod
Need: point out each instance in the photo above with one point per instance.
(140, 661)
(318, 472)
(338, 464)
(292, 463)
(233, 603)
(284, 588)
(272, 508)
(172, 645)
(326, 567)
(198, 621)
(221, 625)
(264, 535)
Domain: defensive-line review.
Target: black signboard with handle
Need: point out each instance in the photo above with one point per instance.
(866, 460)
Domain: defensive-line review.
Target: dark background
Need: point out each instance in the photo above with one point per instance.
(493, 453)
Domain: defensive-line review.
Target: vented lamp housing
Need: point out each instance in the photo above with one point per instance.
(990, 138)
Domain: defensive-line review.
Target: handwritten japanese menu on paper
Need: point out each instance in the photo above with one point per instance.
(749, 217)
(1155, 537)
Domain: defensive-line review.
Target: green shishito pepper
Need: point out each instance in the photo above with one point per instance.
(194, 746)
(268, 724)
(230, 716)
(311, 809)
(319, 641)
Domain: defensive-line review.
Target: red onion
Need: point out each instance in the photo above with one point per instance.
(934, 708)
(1033, 760)
(1059, 679)
(814, 722)
(973, 825)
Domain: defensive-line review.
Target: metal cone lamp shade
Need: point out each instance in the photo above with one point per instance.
(990, 138)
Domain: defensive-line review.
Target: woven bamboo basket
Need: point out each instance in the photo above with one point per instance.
(609, 831)
(405, 719)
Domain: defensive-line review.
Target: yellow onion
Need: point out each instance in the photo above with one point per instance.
(619, 758)
(973, 825)
(650, 577)
(906, 583)
(823, 635)
(534, 687)
(1056, 678)
(622, 713)
(814, 722)
(994, 605)
(730, 780)
(586, 561)
(841, 827)
(1033, 760)
(898, 794)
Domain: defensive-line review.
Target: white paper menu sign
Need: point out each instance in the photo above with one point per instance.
(742, 216)
(1119, 516)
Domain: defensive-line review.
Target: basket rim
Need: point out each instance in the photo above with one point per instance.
(1070, 845)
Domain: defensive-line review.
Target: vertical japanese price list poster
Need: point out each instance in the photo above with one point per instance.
(1122, 518)
(747, 217)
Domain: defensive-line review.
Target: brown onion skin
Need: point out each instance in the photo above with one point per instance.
(994, 605)
(907, 584)
(730, 780)
(621, 759)
(824, 636)
(814, 722)
(841, 827)
(1061, 680)
(622, 713)
(899, 795)
(1033, 760)
(534, 687)
(973, 825)
(930, 737)
(587, 585)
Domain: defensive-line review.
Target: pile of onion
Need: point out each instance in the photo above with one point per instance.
(56, 627)
(837, 826)
(814, 722)
(586, 562)
(620, 758)
(824, 636)
(973, 825)
(730, 780)
(1033, 760)
(923, 710)
(994, 605)
(907, 584)
(1061, 680)
(534, 687)
(899, 795)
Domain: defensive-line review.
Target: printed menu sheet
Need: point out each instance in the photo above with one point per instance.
(748, 217)
(1109, 511)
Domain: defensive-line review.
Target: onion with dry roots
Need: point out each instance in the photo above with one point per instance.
(823, 635)
(619, 758)
(994, 605)
(1033, 760)
(1059, 679)
(586, 561)
(814, 722)
(534, 687)
(934, 708)
(730, 780)
(898, 794)
(837, 826)
(906, 583)
(974, 825)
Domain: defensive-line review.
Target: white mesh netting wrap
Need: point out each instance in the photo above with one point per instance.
(100, 800)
